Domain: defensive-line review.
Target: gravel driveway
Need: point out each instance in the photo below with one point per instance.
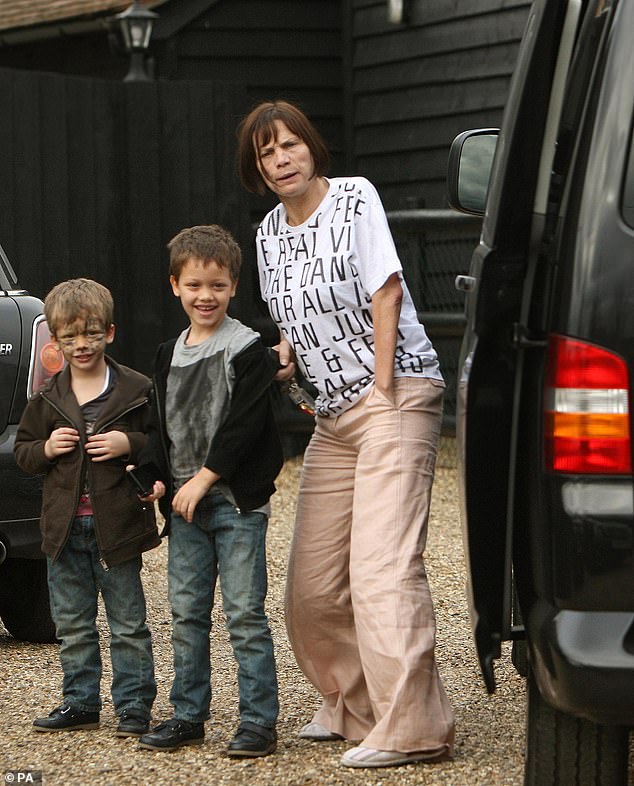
(490, 729)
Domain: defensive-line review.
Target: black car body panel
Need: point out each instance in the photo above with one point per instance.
(489, 359)
(26, 358)
(556, 258)
(21, 493)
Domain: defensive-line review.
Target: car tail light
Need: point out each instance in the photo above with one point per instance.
(586, 410)
(46, 359)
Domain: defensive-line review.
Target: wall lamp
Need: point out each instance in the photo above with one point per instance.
(136, 24)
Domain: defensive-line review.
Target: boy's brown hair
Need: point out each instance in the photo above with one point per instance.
(78, 298)
(211, 243)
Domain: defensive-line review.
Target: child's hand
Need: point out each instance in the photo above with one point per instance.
(109, 445)
(190, 494)
(158, 491)
(62, 440)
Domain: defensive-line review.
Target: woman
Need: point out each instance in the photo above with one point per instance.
(359, 612)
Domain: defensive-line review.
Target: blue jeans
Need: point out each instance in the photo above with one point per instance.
(220, 542)
(75, 580)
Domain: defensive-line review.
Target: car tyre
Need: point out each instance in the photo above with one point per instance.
(24, 602)
(563, 750)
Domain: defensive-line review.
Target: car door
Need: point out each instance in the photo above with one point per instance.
(498, 297)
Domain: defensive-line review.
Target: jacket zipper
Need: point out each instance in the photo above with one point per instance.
(74, 425)
(99, 430)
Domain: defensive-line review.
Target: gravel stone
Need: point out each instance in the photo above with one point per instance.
(490, 729)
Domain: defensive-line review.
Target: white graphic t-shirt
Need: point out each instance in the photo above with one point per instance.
(318, 279)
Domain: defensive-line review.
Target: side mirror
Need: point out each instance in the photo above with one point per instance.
(469, 169)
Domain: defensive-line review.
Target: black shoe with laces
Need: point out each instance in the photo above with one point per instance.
(67, 718)
(132, 724)
(252, 740)
(172, 734)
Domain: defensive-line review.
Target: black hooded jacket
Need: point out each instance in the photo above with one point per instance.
(246, 450)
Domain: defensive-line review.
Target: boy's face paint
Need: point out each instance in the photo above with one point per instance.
(83, 343)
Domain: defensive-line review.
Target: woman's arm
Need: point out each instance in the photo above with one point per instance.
(386, 310)
(287, 360)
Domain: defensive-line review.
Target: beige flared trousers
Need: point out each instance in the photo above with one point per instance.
(359, 612)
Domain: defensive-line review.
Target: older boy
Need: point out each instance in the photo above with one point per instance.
(80, 430)
(215, 439)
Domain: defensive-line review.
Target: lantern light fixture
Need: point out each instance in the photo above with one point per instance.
(136, 24)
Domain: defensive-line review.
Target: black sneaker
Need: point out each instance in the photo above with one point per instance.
(132, 724)
(172, 734)
(252, 740)
(67, 718)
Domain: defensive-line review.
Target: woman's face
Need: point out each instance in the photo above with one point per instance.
(286, 164)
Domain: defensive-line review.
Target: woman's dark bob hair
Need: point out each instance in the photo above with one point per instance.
(258, 128)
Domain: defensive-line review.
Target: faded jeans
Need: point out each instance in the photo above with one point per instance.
(75, 580)
(220, 543)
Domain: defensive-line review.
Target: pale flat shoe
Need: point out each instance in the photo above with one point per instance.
(315, 731)
(370, 757)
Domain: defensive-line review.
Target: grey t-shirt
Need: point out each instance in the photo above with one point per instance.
(199, 386)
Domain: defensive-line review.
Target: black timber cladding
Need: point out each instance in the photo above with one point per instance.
(388, 98)
(99, 182)
(290, 49)
(415, 86)
(98, 175)
(277, 48)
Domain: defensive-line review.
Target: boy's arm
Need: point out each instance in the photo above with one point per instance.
(189, 494)
(138, 440)
(135, 441)
(146, 448)
(154, 451)
(33, 432)
(107, 445)
(248, 413)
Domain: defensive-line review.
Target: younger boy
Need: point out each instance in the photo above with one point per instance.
(215, 440)
(80, 430)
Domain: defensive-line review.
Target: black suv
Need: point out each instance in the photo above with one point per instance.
(26, 360)
(545, 387)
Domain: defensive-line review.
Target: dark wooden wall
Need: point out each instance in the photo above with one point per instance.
(276, 48)
(415, 86)
(288, 49)
(89, 54)
(388, 98)
(97, 176)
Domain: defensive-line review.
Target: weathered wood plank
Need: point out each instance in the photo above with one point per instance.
(272, 44)
(444, 69)
(371, 17)
(430, 101)
(26, 181)
(287, 15)
(143, 240)
(8, 236)
(423, 133)
(454, 35)
(257, 73)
